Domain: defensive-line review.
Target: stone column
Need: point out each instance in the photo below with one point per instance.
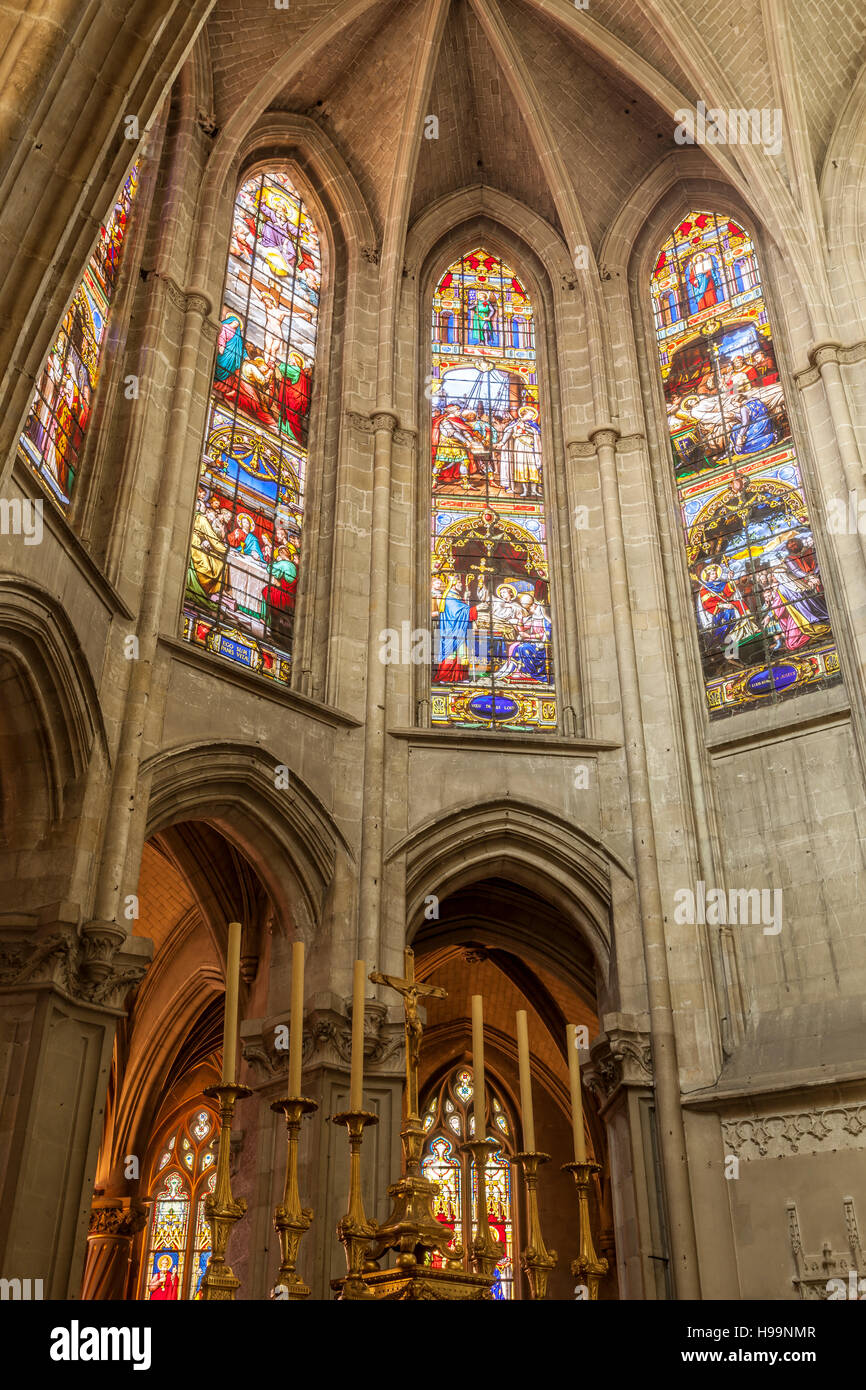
(619, 1074)
(672, 1139)
(58, 1023)
(370, 876)
(324, 1148)
(114, 1224)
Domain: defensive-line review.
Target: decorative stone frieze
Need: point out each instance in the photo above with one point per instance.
(796, 1132)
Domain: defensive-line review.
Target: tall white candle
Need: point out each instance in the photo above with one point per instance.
(356, 1090)
(296, 1021)
(230, 1019)
(576, 1094)
(523, 1064)
(478, 1065)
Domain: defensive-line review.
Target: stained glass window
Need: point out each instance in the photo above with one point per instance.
(178, 1236)
(452, 1121)
(54, 431)
(490, 591)
(246, 537)
(762, 618)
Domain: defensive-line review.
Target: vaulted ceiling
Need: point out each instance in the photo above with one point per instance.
(532, 96)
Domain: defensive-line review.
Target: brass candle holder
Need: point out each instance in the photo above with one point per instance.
(292, 1221)
(589, 1267)
(537, 1261)
(484, 1252)
(355, 1230)
(220, 1208)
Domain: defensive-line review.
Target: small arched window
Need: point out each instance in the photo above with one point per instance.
(448, 1121)
(760, 609)
(56, 425)
(245, 552)
(490, 578)
(178, 1236)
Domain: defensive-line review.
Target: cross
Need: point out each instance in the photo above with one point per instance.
(411, 991)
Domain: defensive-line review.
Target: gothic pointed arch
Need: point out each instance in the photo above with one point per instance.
(53, 436)
(492, 633)
(762, 622)
(247, 534)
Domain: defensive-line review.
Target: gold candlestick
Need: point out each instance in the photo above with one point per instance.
(537, 1261)
(355, 1230)
(292, 1221)
(220, 1208)
(485, 1252)
(588, 1267)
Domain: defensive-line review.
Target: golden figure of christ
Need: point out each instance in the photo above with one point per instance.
(411, 990)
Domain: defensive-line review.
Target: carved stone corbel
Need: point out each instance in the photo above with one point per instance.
(100, 966)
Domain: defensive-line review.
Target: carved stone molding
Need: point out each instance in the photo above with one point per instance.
(359, 421)
(797, 1132)
(121, 1219)
(815, 1271)
(828, 352)
(91, 968)
(581, 449)
(627, 442)
(621, 1056)
(192, 303)
(405, 438)
(382, 420)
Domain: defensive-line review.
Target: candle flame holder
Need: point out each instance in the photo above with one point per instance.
(484, 1252)
(537, 1261)
(589, 1267)
(355, 1230)
(220, 1208)
(291, 1220)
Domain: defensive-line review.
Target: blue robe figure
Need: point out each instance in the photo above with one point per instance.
(230, 348)
(755, 431)
(454, 620)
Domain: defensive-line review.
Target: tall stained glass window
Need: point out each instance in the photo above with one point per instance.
(246, 536)
(448, 1121)
(56, 425)
(490, 590)
(178, 1236)
(760, 608)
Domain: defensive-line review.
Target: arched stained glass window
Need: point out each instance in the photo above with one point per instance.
(448, 1121)
(490, 590)
(246, 535)
(762, 618)
(178, 1236)
(54, 431)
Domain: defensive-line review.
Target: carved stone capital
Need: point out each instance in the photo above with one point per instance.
(620, 1056)
(119, 1218)
(824, 352)
(327, 1041)
(384, 420)
(370, 254)
(100, 966)
(605, 438)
